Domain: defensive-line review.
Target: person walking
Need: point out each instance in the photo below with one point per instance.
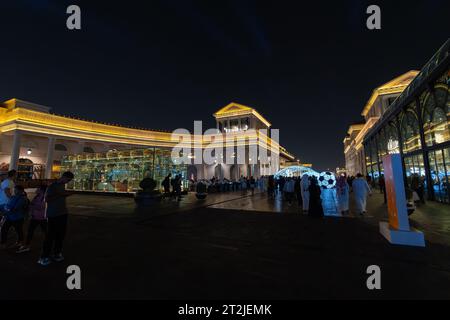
(289, 188)
(166, 185)
(282, 182)
(57, 215)
(252, 183)
(382, 185)
(298, 192)
(361, 190)
(271, 187)
(177, 187)
(243, 183)
(315, 199)
(38, 218)
(343, 194)
(304, 187)
(15, 212)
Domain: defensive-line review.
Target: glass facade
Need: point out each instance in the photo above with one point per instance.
(120, 171)
(424, 127)
(440, 175)
(410, 129)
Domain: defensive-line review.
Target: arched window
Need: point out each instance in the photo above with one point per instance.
(435, 122)
(410, 130)
(60, 147)
(88, 150)
(392, 140)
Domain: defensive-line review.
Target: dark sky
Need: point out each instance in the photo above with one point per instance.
(308, 67)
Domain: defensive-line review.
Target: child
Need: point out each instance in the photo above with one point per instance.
(15, 212)
(38, 217)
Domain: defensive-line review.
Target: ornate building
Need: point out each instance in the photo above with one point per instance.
(41, 144)
(380, 100)
(417, 126)
(409, 115)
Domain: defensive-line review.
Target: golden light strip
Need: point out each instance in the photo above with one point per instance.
(48, 124)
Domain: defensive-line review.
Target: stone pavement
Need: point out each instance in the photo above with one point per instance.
(432, 218)
(124, 207)
(226, 253)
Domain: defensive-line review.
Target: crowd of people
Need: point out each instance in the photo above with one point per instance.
(304, 190)
(309, 194)
(47, 211)
(216, 185)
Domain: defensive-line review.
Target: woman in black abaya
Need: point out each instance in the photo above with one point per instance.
(315, 202)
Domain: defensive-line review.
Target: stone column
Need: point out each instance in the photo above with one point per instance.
(15, 152)
(49, 161)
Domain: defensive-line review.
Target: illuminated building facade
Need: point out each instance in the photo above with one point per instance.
(380, 100)
(41, 144)
(416, 125)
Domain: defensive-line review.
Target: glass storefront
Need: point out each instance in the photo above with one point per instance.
(120, 171)
(415, 172)
(440, 175)
(410, 130)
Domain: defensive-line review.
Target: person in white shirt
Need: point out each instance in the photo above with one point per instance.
(361, 190)
(7, 188)
(304, 187)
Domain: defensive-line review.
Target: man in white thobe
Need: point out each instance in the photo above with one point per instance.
(304, 187)
(361, 190)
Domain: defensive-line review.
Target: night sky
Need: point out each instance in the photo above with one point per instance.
(308, 68)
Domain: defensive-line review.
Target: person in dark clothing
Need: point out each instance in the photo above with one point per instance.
(166, 185)
(271, 187)
(14, 216)
(382, 185)
(38, 218)
(252, 184)
(57, 215)
(282, 181)
(177, 187)
(298, 192)
(315, 202)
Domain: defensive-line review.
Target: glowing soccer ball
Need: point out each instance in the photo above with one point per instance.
(327, 180)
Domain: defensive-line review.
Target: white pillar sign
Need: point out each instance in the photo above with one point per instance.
(398, 230)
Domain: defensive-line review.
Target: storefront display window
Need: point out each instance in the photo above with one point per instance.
(120, 171)
(435, 118)
(393, 145)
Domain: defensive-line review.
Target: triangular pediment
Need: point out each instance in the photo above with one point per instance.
(233, 108)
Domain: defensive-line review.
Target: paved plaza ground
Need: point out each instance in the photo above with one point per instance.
(231, 246)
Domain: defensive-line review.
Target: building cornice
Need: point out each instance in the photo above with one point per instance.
(395, 86)
(45, 124)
